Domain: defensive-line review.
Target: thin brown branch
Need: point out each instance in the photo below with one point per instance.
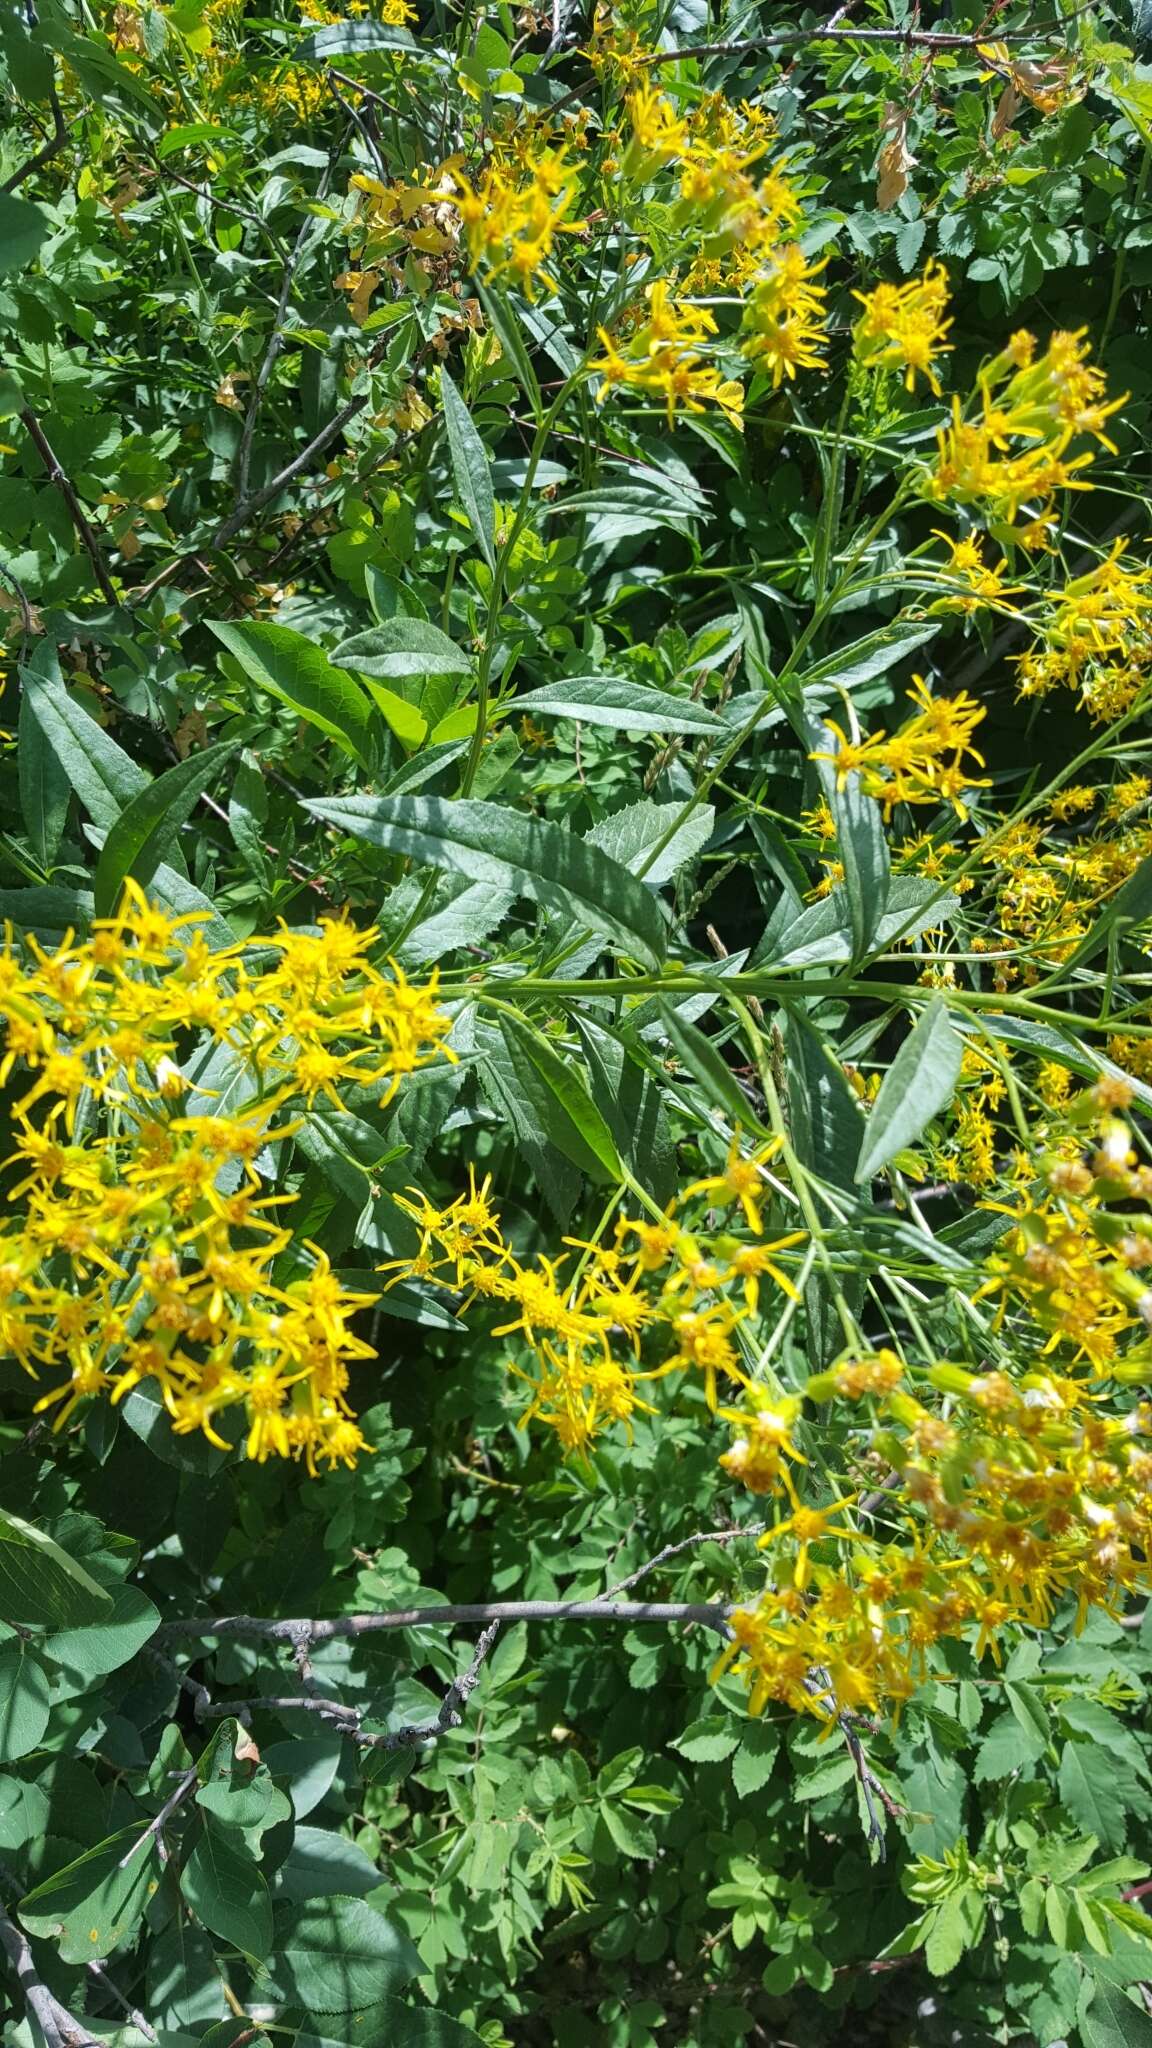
(155, 1825)
(674, 1549)
(452, 1707)
(308, 229)
(21, 597)
(214, 199)
(347, 1718)
(228, 1627)
(63, 484)
(100, 1976)
(52, 147)
(316, 446)
(836, 31)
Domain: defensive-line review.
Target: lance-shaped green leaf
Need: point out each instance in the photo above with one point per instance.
(403, 647)
(502, 319)
(532, 856)
(1113, 2021)
(556, 1088)
(44, 786)
(920, 1083)
(872, 656)
(104, 777)
(360, 39)
(300, 674)
(147, 828)
(40, 1585)
(95, 1903)
(470, 469)
(860, 842)
(708, 1067)
(612, 701)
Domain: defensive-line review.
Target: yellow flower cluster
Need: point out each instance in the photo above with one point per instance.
(740, 222)
(903, 327)
(659, 1283)
(146, 1247)
(661, 359)
(1032, 409)
(784, 316)
(511, 217)
(923, 761)
(1006, 1489)
(1096, 639)
(982, 585)
(1052, 881)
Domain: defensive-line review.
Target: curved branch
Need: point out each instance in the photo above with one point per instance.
(225, 1627)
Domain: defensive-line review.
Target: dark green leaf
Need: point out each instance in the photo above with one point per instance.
(148, 827)
(920, 1083)
(24, 1700)
(104, 777)
(337, 1953)
(470, 469)
(1113, 2021)
(860, 842)
(22, 229)
(127, 1622)
(40, 1585)
(224, 1888)
(708, 1067)
(44, 786)
(558, 1091)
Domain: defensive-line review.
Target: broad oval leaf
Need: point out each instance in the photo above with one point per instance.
(88, 1652)
(22, 229)
(24, 1700)
(223, 1885)
(40, 1585)
(920, 1083)
(338, 1953)
(533, 856)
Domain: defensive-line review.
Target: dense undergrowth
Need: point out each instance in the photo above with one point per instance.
(577, 865)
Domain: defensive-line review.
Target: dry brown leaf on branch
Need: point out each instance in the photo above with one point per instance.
(895, 162)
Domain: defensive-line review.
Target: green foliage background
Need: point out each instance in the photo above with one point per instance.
(608, 1850)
